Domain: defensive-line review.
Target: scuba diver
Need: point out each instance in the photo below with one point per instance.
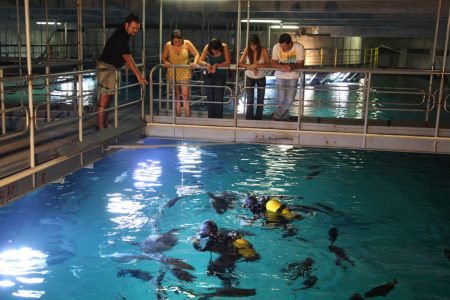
(269, 207)
(229, 245)
(274, 213)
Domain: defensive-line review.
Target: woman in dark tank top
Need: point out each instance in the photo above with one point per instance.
(215, 55)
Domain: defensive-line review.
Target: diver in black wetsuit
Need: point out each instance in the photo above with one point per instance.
(269, 208)
(273, 212)
(229, 245)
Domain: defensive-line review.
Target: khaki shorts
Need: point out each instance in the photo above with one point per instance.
(106, 79)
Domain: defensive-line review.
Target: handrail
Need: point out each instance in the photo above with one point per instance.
(19, 133)
(419, 96)
(47, 102)
(445, 103)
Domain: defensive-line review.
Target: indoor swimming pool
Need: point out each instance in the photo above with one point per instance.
(371, 223)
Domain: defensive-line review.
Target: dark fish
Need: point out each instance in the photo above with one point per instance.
(308, 283)
(183, 275)
(127, 258)
(160, 243)
(159, 287)
(356, 297)
(381, 290)
(309, 209)
(121, 297)
(302, 239)
(313, 174)
(58, 256)
(340, 254)
(325, 207)
(333, 234)
(314, 167)
(144, 276)
(223, 201)
(447, 253)
(290, 232)
(298, 269)
(174, 201)
(176, 262)
(229, 292)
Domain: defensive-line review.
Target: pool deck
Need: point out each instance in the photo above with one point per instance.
(309, 132)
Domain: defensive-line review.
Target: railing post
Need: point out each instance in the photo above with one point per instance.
(368, 83)
(433, 58)
(335, 56)
(371, 57)
(376, 57)
(364, 57)
(80, 106)
(47, 93)
(173, 94)
(301, 99)
(2, 101)
(150, 99)
(321, 57)
(442, 86)
(30, 88)
(80, 67)
(116, 99)
(126, 84)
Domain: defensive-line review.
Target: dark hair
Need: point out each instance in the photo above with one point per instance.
(215, 44)
(132, 18)
(285, 38)
(176, 34)
(254, 39)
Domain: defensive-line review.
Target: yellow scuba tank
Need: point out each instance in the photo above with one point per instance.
(245, 249)
(275, 206)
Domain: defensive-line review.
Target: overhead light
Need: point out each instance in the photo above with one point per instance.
(47, 23)
(284, 27)
(262, 21)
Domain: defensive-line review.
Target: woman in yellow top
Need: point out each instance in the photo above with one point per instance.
(176, 52)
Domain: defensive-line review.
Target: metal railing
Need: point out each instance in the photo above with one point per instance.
(168, 88)
(325, 56)
(75, 104)
(370, 101)
(53, 108)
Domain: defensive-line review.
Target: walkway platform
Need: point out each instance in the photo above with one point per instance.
(310, 132)
(57, 153)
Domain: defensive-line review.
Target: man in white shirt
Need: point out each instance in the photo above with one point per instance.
(287, 56)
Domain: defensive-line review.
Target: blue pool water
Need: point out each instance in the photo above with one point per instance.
(390, 211)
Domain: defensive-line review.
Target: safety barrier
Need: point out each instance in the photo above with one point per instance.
(344, 92)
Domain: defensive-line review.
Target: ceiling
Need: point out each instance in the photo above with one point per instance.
(375, 18)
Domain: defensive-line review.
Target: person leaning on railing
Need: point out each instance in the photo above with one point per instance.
(116, 54)
(254, 57)
(176, 52)
(215, 55)
(287, 57)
